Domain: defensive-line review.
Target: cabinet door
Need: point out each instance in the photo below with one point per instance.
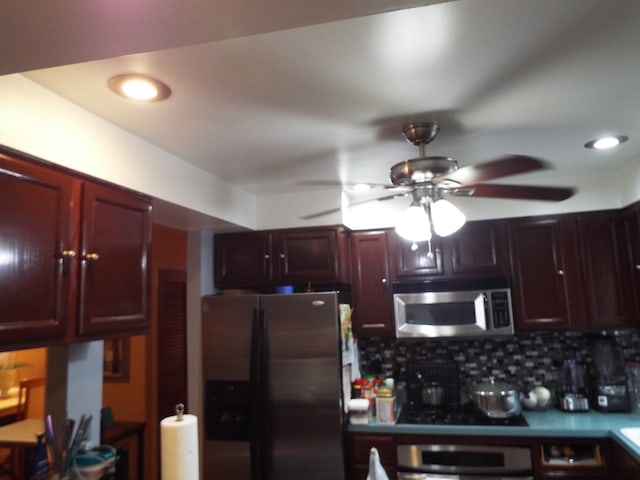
(632, 218)
(546, 280)
(372, 295)
(307, 255)
(242, 259)
(114, 261)
(417, 259)
(479, 248)
(36, 252)
(608, 274)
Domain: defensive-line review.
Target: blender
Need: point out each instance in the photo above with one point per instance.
(610, 386)
(572, 393)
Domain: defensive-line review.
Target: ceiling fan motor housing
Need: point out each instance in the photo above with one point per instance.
(421, 170)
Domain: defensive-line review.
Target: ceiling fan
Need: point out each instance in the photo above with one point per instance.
(428, 179)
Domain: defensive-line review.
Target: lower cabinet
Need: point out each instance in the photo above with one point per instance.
(625, 467)
(360, 448)
(551, 458)
(572, 458)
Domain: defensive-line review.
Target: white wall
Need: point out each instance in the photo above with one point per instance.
(41, 123)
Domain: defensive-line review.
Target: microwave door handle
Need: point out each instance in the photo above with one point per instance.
(487, 312)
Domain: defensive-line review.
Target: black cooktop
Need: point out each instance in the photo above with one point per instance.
(466, 414)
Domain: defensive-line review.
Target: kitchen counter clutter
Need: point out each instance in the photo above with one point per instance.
(551, 423)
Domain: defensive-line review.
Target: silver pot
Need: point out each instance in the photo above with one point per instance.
(433, 393)
(496, 399)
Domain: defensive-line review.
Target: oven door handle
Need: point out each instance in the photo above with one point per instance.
(440, 476)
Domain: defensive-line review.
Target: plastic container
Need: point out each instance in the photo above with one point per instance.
(96, 464)
(359, 411)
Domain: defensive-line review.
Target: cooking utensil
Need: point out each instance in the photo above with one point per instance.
(433, 393)
(496, 399)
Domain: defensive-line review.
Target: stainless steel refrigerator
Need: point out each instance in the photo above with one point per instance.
(272, 383)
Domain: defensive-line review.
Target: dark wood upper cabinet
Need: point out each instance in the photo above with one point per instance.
(242, 259)
(546, 279)
(608, 271)
(632, 223)
(419, 259)
(479, 247)
(292, 256)
(308, 255)
(37, 242)
(75, 255)
(372, 290)
(114, 259)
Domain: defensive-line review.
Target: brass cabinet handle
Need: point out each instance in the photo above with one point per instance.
(68, 254)
(91, 256)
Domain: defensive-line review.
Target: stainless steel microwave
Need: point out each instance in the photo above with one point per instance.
(456, 308)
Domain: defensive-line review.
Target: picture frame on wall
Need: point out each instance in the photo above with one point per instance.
(116, 360)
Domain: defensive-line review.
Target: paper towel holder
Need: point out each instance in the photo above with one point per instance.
(179, 412)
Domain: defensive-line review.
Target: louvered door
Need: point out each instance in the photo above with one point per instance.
(172, 341)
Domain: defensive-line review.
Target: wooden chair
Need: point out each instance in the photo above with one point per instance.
(12, 459)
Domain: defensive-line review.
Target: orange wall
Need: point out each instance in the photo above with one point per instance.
(129, 400)
(135, 399)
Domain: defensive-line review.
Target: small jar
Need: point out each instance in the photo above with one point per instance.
(386, 405)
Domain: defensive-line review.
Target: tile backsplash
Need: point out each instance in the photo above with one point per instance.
(526, 359)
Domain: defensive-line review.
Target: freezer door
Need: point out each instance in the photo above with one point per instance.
(226, 336)
(303, 368)
(227, 323)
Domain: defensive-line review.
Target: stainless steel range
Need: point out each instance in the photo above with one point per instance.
(454, 414)
(422, 407)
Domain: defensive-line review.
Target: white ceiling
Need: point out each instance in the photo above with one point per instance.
(266, 94)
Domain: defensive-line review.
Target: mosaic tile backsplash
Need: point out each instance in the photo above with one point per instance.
(525, 360)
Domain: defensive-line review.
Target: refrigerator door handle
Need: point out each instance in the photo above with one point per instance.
(259, 393)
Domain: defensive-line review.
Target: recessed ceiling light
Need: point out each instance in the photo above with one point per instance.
(139, 87)
(606, 142)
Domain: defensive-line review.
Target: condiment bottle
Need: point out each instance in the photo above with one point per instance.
(386, 405)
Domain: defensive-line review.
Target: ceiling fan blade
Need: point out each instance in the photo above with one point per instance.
(522, 192)
(334, 183)
(502, 167)
(351, 204)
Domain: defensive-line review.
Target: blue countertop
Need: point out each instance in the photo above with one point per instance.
(548, 423)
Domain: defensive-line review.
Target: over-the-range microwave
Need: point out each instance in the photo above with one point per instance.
(453, 308)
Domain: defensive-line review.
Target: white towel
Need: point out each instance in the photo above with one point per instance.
(376, 472)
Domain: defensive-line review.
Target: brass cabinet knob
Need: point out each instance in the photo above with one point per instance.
(68, 254)
(91, 257)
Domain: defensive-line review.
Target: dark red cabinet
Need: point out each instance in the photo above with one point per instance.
(546, 278)
(607, 269)
(277, 257)
(36, 249)
(75, 255)
(478, 248)
(372, 290)
(114, 254)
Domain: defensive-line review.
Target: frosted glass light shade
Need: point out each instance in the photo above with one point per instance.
(413, 224)
(446, 217)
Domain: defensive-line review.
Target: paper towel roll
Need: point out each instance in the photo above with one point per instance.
(179, 448)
